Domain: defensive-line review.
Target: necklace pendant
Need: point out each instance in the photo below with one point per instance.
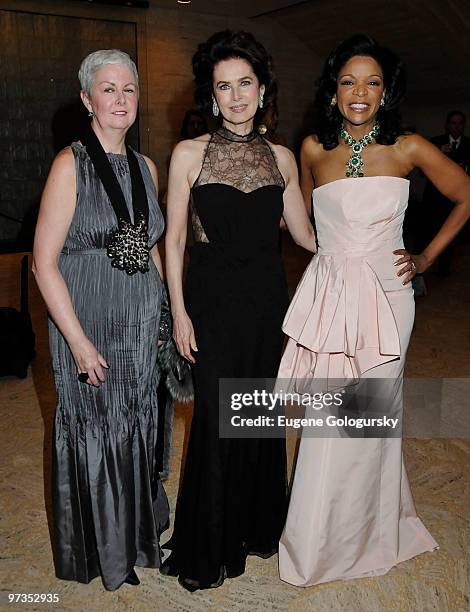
(355, 164)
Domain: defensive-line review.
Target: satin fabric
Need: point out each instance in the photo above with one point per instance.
(109, 506)
(351, 512)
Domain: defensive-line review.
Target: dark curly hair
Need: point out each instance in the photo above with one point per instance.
(226, 45)
(329, 118)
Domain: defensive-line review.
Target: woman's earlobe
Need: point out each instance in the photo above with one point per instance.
(86, 101)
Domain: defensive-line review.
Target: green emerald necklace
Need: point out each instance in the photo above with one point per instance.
(355, 164)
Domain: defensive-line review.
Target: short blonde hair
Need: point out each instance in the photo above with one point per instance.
(96, 60)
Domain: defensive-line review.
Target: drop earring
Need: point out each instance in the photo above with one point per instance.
(333, 101)
(382, 101)
(261, 99)
(215, 107)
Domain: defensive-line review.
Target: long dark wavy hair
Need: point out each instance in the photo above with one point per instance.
(227, 45)
(329, 119)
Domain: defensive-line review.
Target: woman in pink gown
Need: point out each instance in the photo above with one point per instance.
(351, 512)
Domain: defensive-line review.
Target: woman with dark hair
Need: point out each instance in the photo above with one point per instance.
(237, 185)
(351, 513)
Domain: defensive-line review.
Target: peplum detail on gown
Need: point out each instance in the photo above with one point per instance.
(329, 317)
(340, 323)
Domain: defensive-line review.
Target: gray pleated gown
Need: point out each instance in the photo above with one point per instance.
(108, 503)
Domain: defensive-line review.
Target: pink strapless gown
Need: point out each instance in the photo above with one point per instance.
(351, 512)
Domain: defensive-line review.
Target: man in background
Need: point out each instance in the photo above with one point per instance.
(456, 146)
(453, 143)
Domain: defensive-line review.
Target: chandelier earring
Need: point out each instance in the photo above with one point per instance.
(261, 99)
(215, 107)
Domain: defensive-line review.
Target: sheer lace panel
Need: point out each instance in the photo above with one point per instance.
(244, 162)
(198, 231)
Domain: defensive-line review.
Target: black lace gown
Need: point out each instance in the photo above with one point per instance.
(232, 500)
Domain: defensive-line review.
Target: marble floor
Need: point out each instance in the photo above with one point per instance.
(438, 468)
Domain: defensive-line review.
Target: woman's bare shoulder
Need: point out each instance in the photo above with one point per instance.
(413, 148)
(312, 149)
(411, 142)
(283, 154)
(64, 163)
(192, 146)
(189, 152)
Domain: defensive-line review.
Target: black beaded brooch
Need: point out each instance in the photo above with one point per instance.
(128, 247)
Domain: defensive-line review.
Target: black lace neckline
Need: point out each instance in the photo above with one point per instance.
(233, 137)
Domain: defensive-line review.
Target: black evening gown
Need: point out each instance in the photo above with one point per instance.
(232, 499)
(109, 505)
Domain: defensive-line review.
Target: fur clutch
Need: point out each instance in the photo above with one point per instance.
(176, 372)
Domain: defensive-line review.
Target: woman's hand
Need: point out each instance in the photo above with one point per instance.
(55, 216)
(90, 361)
(183, 333)
(184, 168)
(412, 264)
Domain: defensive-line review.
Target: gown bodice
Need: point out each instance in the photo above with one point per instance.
(237, 197)
(341, 311)
(94, 220)
(360, 214)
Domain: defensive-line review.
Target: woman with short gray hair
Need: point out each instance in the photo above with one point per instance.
(97, 265)
(105, 57)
